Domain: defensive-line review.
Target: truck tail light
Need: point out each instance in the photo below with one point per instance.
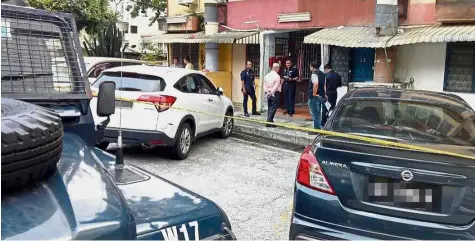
(310, 173)
(161, 102)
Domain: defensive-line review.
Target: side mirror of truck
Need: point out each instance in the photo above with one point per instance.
(106, 99)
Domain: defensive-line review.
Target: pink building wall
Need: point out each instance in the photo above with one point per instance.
(324, 13)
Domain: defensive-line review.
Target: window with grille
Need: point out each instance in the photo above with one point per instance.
(460, 68)
(253, 54)
(190, 50)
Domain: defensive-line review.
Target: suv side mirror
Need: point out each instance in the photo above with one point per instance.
(220, 91)
(106, 99)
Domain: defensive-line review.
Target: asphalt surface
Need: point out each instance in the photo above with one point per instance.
(252, 182)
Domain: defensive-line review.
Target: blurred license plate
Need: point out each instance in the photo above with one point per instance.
(123, 104)
(390, 192)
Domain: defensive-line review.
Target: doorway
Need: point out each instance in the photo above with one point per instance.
(362, 64)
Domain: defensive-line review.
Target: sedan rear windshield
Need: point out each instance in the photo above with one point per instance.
(412, 121)
(126, 81)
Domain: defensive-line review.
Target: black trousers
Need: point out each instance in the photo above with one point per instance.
(272, 105)
(252, 95)
(332, 97)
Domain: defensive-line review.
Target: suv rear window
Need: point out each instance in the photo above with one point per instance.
(125, 81)
(412, 121)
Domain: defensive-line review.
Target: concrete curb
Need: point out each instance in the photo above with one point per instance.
(280, 134)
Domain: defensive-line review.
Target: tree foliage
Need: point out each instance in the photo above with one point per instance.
(139, 7)
(106, 43)
(152, 53)
(90, 15)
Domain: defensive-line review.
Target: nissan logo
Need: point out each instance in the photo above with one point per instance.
(407, 175)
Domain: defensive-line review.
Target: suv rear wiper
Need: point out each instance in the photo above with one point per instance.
(24, 76)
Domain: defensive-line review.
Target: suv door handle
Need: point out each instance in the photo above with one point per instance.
(210, 100)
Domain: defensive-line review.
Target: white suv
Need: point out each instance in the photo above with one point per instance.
(145, 113)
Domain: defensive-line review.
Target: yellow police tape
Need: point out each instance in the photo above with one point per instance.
(324, 132)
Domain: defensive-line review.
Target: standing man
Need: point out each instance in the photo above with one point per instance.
(248, 88)
(291, 76)
(176, 63)
(188, 64)
(272, 88)
(333, 82)
(316, 93)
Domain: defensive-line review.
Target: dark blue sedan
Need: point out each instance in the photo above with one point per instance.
(349, 189)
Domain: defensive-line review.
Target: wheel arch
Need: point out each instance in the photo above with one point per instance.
(230, 109)
(191, 121)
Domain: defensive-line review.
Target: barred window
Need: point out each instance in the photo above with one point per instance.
(253, 54)
(460, 68)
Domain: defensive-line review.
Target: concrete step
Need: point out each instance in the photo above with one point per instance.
(282, 134)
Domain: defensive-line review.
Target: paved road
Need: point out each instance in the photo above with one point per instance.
(251, 182)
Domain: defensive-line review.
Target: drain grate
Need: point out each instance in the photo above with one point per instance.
(126, 175)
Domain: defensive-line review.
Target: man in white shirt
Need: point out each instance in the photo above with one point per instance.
(272, 89)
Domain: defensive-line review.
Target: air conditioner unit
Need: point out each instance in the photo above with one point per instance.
(186, 2)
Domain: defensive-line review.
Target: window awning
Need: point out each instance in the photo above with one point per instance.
(200, 37)
(365, 37)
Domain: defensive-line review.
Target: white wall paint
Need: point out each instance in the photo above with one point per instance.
(426, 64)
(142, 22)
(239, 62)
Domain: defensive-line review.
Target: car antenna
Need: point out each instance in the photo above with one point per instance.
(119, 155)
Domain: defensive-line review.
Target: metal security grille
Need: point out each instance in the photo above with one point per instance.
(311, 52)
(41, 55)
(192, 50)
(253, 54)
(295, 46)
(281, 46)
(340, 61)
(460, 71)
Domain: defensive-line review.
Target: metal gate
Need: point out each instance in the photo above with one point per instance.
(191, 50)
(299, 52)
(340, 61)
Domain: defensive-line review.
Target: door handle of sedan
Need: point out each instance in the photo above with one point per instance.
(210, 100)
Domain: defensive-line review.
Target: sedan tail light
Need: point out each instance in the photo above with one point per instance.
(310, 173)
(161, 102)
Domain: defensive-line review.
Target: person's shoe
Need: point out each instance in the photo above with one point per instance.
(256, 113)
(312, 133)
(285, 112)
(246, 115)
(290, 114)
(270, 126)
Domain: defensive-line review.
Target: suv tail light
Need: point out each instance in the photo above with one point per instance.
(311, 175)
(161, 102)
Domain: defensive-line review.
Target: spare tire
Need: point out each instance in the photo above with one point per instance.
(32, 141)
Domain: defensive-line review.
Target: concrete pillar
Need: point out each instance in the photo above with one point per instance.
(383, 74)
(211, 28)
(325, 55)
(212, 56)
(386, 17)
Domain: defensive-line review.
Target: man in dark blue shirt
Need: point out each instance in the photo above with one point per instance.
(291, 76)
(248, 88)
(333, 81)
